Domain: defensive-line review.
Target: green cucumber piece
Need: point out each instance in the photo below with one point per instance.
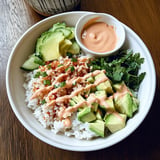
(31, 63)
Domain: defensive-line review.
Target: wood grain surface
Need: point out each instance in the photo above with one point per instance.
(16, 143)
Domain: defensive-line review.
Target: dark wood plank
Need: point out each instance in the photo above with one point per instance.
(17, 143)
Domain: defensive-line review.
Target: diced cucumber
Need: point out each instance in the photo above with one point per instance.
(30, 64)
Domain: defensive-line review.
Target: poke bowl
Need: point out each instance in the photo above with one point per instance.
(81, 134)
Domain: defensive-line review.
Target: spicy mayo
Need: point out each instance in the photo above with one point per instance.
(99, 37)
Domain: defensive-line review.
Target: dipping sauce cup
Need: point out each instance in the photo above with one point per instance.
(99, 34)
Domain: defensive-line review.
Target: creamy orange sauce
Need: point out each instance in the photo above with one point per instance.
(41, 92)
(118, 116)
(122, 91)
(67, 122)
(92, 98)
(79, 90)
(99, 37)
(64, 112)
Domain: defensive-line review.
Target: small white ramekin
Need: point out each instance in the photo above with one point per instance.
(100, 17)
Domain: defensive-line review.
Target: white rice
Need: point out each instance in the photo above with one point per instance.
(78, 129)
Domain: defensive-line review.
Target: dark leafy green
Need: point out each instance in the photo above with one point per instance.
(37, 74)
(121, 67)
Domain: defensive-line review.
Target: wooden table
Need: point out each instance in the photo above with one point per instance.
(17, 143)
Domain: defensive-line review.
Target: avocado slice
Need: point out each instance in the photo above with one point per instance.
(79, 99)
(104, 85)
(74, 48)
(57, 25)
(57, 41)
(90, 79)
(94, 106)
(72, 35)
(101, 93)
(115, 121)
(50, 47)
(72, 103)
(66, 32)
(108, 101)
(135, 104)
(40, 41)
(98, 127)
(86, 115)
(124, 103)
(99, 114)
(119, 86)
(108, 106)
(64, 46)
(100, 75)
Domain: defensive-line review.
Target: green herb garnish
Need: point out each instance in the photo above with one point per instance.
(47, 82)
(49, 66)
(56, 86)
(62, 84)
(37, 74)
(121, 67)
(44, 74)
(43, 101)
(60, 65)
(71, 68)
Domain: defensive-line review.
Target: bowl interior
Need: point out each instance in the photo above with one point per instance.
(100, 17)
(16, 93)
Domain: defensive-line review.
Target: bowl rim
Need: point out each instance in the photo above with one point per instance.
(63, 146)
(86, 17)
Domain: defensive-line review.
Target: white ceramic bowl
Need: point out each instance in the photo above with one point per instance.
(16, 93)
(100, 17)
